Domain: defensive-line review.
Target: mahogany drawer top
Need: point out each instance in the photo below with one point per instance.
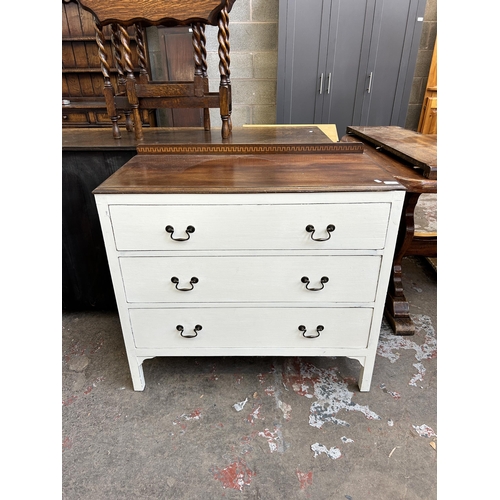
(258, 173)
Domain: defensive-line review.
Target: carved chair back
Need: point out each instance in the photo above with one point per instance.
(141, 93)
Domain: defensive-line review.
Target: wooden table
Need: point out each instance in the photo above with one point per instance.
(411, 158)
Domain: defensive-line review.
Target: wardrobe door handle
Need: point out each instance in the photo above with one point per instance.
(370, 76)
(321, 84)
(328, 83)
(319, 329)
(192, 282)
(323, 280)
(189, 231)
(196, 329)
(329, 229)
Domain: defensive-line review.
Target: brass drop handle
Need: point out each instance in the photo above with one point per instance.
(192, 282)
(319, 329)
(196, 329)
(189, 231)
(329, 229)
(323, 280)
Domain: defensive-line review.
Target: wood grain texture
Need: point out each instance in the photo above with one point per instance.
(277, 173)
(418, 149)
(157, 12)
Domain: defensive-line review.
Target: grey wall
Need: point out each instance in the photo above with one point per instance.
(253, 36)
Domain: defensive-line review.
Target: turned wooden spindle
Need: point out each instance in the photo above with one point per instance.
(108, 91)
(225, 75)
(131, 81)
(121, 81)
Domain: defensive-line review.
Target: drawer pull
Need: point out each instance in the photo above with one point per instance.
(330, 228)
(323, 280)
(196, 329)
(319, 329)
(192, 282)
(189, 230)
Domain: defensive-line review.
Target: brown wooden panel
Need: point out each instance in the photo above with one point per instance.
(75, 118)
(86, 86)
(81, 60)
(68, 57)
(92, 51)
(74, 20)
(65, 27)
(73, 85)
(64, 86)
(98, 84)
(87, 22)
(177, 64)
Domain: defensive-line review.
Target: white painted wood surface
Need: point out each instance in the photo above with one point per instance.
(249, 253)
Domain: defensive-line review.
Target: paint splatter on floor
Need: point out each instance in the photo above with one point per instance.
(329, 389)
(305, 478)
(255, 415)
(333, 452)
(424, 431)
(394, 394)
(274, 439)
(235, 476)
(286, 409)
(390, 344)
(239, 406)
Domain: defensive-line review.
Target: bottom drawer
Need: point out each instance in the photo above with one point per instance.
(250, 327)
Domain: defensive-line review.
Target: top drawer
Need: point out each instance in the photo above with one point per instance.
(250, 227)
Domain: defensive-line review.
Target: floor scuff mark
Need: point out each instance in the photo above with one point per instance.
(333, 452)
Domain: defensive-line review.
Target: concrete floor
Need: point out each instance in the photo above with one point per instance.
(251, 428)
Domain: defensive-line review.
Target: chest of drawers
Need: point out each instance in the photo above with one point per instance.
(286, 255)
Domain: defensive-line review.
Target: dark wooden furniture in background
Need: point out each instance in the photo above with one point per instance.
(177, 56)
(83, 85)
(411, 158)
(145, 94)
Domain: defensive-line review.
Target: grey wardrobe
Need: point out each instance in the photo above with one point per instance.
(347, 62)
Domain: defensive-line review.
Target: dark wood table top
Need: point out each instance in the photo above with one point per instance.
(161, 140)
(259, 173)
(420, 150)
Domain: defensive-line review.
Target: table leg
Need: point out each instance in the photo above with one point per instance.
(397, 309)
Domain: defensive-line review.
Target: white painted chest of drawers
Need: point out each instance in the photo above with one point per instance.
(249, 258)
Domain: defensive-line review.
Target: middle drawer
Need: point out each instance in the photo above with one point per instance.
(251, 278)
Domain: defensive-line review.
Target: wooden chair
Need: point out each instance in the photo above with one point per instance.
(141, 93)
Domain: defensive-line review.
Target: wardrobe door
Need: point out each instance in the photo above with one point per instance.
(397, 27)
(303, 44)
(348, 45)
